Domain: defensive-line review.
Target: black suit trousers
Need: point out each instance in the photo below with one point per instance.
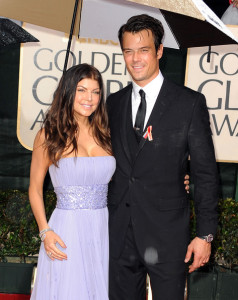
(127, 280)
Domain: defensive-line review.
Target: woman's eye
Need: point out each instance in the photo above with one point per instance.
(96, 92)
(80, 90)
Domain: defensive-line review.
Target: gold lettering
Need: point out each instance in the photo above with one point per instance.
(97, 41)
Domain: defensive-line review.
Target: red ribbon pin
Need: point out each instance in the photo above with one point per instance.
(148, 134)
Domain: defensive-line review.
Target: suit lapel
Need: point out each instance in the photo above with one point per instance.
(125, 113)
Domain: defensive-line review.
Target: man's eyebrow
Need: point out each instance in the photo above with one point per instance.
(144, 47)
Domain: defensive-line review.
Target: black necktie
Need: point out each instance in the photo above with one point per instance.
(140, 116)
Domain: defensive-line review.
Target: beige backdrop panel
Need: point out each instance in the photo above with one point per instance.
(217, 80)
(41, 66)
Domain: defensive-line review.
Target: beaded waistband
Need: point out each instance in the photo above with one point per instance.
(82, 196)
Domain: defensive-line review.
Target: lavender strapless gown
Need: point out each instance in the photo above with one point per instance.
(81, 220)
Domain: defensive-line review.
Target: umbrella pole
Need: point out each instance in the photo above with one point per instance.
(209, 54)
(70, 35)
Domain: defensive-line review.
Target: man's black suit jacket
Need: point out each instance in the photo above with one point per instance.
(147, 187)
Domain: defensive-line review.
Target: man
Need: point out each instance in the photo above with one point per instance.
(155, 126)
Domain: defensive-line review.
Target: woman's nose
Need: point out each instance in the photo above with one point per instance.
(89, 96)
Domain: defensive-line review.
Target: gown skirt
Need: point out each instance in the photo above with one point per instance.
(81, 220)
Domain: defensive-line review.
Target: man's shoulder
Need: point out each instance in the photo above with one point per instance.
(114, 100)
(180, 92)
(120, 93)
(171, 85)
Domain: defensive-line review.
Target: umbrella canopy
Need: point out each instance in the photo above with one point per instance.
(11, 33)
(187, 23)
(192, 22)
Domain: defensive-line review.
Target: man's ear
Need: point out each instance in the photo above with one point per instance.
(160, 51)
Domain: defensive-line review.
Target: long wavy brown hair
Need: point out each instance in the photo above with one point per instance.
(60, 124)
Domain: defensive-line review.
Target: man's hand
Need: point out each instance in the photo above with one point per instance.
(235, 3)
(201, 251)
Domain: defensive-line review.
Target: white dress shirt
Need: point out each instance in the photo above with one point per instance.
(151, 90)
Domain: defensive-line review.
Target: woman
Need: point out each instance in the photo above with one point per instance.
(74, 144)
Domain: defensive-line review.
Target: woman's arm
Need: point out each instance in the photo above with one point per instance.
(39, 166)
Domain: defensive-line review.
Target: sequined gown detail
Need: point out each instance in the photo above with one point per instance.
(81, 220)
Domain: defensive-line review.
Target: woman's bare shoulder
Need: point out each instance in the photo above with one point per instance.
(39, 138)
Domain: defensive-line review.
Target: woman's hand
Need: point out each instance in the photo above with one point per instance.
(186, 182)
(50, 241)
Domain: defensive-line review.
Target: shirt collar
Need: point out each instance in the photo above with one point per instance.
(151, 90)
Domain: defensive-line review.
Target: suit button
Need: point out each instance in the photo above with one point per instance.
(132, 179)
(127, 204)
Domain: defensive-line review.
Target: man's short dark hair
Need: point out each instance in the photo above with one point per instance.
(143, 22)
